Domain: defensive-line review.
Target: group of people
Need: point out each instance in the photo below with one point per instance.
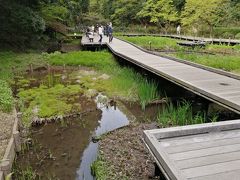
(101, 31)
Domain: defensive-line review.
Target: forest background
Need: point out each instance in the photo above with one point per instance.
(31, 23)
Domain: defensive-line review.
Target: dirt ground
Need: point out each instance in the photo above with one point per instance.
(125, 151)
(6, 125)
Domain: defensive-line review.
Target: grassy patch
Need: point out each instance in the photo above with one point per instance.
(19, 61)
(102, 170)
(224, 62)
(99, 169)
(13, 63)
(26, 174)
(179, 116)
(6, 99)
(157, 43)
(124, 82)
(98, 60)
(47, 102)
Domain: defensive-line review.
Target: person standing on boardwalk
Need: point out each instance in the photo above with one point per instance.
(100, 32)
(178, 30)
(110, 33)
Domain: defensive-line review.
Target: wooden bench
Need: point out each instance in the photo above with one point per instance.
(197, 152)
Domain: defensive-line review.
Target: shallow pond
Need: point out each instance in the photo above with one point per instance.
(67, 148)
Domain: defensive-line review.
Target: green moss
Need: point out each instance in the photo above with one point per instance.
(49, 101)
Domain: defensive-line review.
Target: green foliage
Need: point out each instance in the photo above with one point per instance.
(204, 12)
(48, 101)
(27, 174)
(125, 11)
(99, 169)
(6, 99)
(20, 25)
(55, 12)
(237, 36)
(159, 11)
(227, 63)
(147, 92)
(19, 62)
(98, 60)
(124, 82)
(178, 116)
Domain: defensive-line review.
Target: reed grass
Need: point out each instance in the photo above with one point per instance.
(179, 116)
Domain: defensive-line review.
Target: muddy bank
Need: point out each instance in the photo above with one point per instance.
(125, 153)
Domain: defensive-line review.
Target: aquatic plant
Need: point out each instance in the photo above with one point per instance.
(100, 169)
(147, 92)
(26, 174)
(179, 115)
(48, 102)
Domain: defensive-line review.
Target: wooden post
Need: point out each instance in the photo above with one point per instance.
(31, 68)
(229, 41)
(48, 67)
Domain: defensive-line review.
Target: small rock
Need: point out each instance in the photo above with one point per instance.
(104, 76)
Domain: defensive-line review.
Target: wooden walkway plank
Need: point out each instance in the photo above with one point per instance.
(197, 152)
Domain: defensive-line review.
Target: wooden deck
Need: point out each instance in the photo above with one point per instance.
(221, 88)
(198, 152)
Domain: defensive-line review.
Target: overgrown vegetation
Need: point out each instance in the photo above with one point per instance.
(47, 102)
(6, 99)
(100, 169)
(17, 63)
(179, 115)
(124, 82)
(225, 62)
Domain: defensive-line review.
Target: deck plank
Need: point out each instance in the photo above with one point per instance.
(197, 156)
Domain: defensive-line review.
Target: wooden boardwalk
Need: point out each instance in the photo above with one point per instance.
(217, 86)
(191, 38)
(198, 152)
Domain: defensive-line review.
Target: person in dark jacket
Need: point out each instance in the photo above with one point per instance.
(110, 33)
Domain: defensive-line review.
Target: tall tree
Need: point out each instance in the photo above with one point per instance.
(125, 11)
(160, 12)
(20, 23)
(203, 13)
